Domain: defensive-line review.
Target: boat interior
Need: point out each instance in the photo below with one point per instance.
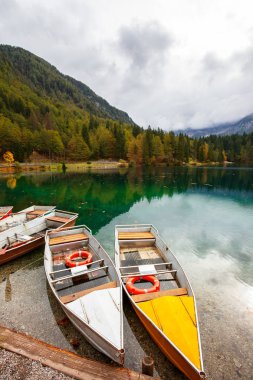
(172, 307)
(34, 228)
(90, 291)
(71, 283)
(37, 210)
(15, 219)
(24, 216)
(4, 211)
(139, 255)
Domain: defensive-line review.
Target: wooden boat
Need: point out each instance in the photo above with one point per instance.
(168, 309)
(23, 216)
(35, 210)
(5, 212)
(26, 237)
(90, 294)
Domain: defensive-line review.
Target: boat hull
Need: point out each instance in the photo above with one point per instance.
(167, 348)
(146, 236)
(8, 213)
(13, 253)
(94, 339)
(96, 334)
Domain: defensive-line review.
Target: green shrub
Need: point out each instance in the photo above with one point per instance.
(18, 167)
(122, 163)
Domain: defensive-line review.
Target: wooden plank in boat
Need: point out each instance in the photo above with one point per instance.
(169, 292)
(57, 219)
(37, 212)
(67, 238)
(135, 235)
(143, 252)
(75, 296)
(69, 363)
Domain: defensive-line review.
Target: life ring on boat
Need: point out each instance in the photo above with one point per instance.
(133, 290)
(80, 253)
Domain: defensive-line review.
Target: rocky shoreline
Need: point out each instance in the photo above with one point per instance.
(17, 367)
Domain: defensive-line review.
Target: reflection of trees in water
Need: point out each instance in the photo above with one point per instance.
(98, 197)
(233, 249)
(11, 183)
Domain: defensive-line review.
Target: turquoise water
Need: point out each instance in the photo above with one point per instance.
(206, 217)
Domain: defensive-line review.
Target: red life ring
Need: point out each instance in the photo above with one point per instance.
(81, 253)
(133, 290)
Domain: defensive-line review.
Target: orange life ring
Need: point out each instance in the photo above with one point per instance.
(133, 290)
(80, 253)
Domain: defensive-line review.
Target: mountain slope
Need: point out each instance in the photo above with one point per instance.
(240, 127)
(19, 65)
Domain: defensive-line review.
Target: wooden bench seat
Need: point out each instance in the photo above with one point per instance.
(75, 296)
(67, 238)
(169, 292)
(37, 212)
(135, 235)
(59, 219)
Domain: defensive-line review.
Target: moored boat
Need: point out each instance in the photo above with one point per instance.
(5, 212)
(27, 236)
(167, 309)
(23, 216)
(86, 284)
(36, 210)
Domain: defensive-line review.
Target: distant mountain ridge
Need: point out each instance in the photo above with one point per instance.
(47, 81)
(244, 125)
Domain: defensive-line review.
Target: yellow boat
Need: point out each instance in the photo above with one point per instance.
(168, 308)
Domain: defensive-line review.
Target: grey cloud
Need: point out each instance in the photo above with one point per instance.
(144, 43)
(212, 63)
(141, 67)
(7, 6)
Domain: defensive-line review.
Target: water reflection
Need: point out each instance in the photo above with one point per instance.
(112, 194)
(205, 215)
(211, 208)
(11, 182)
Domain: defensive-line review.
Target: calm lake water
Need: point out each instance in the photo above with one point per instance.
(206, 217)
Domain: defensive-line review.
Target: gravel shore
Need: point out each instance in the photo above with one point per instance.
(17, 367)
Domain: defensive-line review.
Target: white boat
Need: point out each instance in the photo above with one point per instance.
(167, 309)
(89, 291)
(5, 212)
(24, 216)
(26, 237)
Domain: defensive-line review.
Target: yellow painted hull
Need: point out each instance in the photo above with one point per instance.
(165, 344)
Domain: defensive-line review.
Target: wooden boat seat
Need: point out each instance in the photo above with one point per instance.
(169, 292)
(67, 238)
(23, 237)
(75, 296)
(37, 212)
(57, 219)
(135, 235)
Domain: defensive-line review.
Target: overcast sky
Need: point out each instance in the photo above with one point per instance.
(168, 63)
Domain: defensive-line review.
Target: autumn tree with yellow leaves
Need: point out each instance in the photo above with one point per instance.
(8, 157)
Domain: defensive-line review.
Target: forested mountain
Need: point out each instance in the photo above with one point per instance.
(53, 114)
(44, 111)
(239, 127)
(46, 80)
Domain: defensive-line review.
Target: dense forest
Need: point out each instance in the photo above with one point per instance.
(44, 111)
